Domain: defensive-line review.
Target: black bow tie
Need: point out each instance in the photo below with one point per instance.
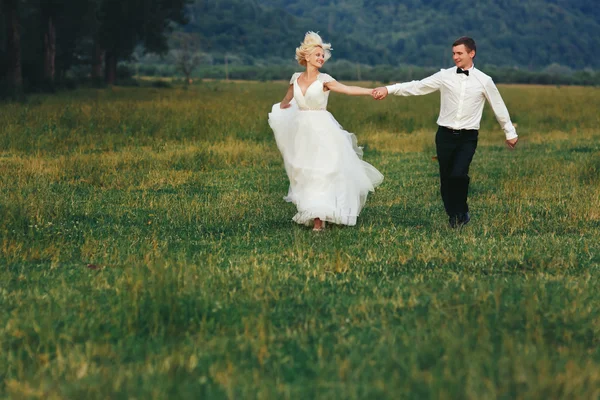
(462, 71)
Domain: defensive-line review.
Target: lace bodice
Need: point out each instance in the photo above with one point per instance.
(314, 98)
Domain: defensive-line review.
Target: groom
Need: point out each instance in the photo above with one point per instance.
(463, 91)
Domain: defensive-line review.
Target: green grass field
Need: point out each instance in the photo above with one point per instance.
(205, 288)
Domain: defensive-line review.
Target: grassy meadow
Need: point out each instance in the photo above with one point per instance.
(146, 252)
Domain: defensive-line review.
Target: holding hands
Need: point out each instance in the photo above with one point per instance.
(379, 93)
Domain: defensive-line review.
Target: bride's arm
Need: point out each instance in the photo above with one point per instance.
(336, 86)
(285, 103)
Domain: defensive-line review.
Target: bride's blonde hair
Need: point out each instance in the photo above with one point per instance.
(311, 41)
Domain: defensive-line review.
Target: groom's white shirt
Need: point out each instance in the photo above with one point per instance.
(462, 98)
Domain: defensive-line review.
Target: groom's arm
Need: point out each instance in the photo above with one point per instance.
(493, 97)
(417, 88)
(414, 88)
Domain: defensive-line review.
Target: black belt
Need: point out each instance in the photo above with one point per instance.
(458, 131)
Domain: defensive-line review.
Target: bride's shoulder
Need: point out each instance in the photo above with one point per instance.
(324, 78)
(294, 77)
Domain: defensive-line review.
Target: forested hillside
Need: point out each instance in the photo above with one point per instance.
(528, 34)
(57, 43)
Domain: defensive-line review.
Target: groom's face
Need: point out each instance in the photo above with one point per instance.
(463, 57)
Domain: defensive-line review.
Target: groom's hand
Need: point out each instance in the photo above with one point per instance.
(512, 143)
(380, 93)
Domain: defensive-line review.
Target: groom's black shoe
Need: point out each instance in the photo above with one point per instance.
(453, 221)
(459, 220)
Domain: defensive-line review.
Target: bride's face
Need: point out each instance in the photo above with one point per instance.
(316, 58)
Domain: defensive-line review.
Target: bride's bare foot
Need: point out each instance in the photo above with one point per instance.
(319, 225)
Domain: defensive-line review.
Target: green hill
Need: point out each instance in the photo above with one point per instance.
(525, 34)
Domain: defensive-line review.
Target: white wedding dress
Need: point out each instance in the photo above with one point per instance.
(328, 178)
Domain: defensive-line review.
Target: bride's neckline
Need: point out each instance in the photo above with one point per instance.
(308, 87)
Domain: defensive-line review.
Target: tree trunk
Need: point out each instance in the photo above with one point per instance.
(13, 44)
(97, 61)
(110, 71)
(50, 50)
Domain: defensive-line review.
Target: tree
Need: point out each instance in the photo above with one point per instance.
(74, 22)
(186, 55)
(49, 11)
(52, 36)
(125, 23)
(14, 75)
(40, 40)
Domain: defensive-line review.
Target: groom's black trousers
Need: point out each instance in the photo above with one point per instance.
(455, 150)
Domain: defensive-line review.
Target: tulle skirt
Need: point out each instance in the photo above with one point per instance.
(328, 178)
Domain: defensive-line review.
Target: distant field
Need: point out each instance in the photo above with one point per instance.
(146, 252)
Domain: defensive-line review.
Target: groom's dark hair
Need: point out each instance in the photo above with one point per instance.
(467, 41)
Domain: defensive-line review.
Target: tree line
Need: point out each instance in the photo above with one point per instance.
(44, 42)
(40, 40)
(346, 71)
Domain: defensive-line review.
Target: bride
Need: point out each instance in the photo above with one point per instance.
(328, 179)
